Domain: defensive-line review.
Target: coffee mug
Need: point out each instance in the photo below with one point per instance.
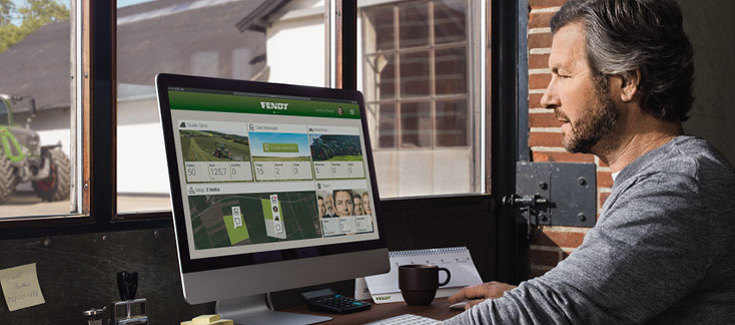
(418, 282)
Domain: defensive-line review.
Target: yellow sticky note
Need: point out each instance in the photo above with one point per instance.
(20, 287)
(217, 322)
(205, 319)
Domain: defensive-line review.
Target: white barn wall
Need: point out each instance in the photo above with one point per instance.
(141, 156)
(296, 48)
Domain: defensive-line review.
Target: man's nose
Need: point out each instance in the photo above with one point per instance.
(550, 99)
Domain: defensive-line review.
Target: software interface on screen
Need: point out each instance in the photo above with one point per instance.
(260, 172)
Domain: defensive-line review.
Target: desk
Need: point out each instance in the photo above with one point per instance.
(439, 309)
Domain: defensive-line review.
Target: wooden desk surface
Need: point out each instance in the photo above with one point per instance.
(439, 309)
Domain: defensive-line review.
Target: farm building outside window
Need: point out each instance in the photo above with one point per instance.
(415, 65)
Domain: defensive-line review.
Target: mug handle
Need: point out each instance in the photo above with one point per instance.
(449, 276)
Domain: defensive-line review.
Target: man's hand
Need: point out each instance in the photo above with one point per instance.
(477, 293)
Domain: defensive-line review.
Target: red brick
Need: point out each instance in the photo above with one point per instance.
(603, 197)
(543, 120)
(540, 20)
(546, 3)
(604, 179)
(544, 139)
(568, 239)
(534, 100)
(539, 40)
(543, 258)
(562, 157)
(539, 81)
(538, 61)
(602, 164)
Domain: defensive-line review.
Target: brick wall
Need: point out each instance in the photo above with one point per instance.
(551, 244)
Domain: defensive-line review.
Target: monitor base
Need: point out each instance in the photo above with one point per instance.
(253, 310)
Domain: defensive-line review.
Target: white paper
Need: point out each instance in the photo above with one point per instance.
(384, 287)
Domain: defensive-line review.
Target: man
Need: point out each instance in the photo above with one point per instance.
(321, 207)
(357, 200)
(343, 203)
(663, 249)
(329, 203)
(366, 203)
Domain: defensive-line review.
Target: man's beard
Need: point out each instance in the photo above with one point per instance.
(597, 122)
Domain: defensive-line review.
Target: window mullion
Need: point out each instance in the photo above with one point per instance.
(397, 73)
(87, 186)
(103, 98)
(432, 76)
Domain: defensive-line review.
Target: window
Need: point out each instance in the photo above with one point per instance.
(38, 119)
(275, 41)
(416, 65)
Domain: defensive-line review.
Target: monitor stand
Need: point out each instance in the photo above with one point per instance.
(253, 310)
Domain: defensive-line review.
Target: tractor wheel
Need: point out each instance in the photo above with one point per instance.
(56, 186)
(8, 180)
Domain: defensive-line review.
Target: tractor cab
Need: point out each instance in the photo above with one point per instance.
(6, 114)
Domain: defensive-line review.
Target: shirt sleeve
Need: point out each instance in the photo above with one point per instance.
(645, 254)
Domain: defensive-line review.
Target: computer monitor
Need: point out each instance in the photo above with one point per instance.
(272, 188)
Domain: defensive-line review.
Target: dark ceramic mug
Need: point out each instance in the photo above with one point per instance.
(418, 282)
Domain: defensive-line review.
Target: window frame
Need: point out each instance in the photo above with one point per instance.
(99, 120)
(97, 65)
(432, 98)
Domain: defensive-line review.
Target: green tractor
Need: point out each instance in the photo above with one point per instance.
(23, 159)
(220, 151)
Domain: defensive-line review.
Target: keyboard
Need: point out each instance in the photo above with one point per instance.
(406, 319)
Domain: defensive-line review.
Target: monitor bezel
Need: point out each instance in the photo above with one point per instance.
(187, 265)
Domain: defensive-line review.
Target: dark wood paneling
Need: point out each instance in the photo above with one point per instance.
(78, 272)
(444, 222)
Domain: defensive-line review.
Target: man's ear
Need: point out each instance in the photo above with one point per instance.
(629, 86)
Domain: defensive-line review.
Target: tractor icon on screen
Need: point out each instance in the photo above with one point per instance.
(220, 151)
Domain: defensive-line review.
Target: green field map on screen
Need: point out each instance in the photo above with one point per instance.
(213, 226)
(213, 146)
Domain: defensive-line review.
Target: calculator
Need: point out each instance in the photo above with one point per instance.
(329, 301)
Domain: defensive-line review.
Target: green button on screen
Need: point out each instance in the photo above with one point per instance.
(280, 147)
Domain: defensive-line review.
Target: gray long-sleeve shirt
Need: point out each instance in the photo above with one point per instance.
(662, 252)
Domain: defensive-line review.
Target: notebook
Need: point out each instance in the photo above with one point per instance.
(383, 288)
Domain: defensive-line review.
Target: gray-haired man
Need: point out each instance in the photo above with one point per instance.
(663, 249)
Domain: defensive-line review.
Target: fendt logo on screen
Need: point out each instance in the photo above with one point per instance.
(272, 105)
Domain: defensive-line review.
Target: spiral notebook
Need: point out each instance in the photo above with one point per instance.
(383, 288)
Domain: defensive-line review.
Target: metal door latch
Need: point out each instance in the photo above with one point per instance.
(555, 194)
(532, 207)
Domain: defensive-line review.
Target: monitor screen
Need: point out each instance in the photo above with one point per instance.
(262, 172)
(266, 178)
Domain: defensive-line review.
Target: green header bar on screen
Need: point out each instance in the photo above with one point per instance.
(200, 101)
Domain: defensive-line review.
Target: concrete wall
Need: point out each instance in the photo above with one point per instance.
(710, 27)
